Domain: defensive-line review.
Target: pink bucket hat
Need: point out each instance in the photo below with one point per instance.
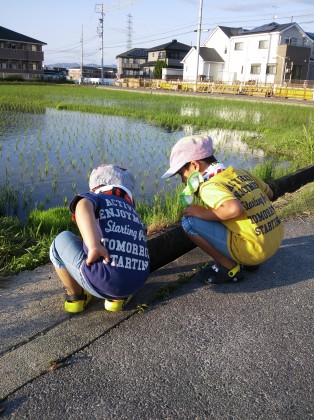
(189, 148)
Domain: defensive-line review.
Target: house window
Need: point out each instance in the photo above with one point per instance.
(304, 41)
(255, 68)
(291, 41)
(226, 49)
(271, 69)
(263, 44)
(173, 55)
(238, 46)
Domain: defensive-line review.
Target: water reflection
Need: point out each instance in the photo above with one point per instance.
(47, 158)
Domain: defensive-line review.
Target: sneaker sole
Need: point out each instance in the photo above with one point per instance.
(116, 305)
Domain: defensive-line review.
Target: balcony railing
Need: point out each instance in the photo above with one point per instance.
(11, 54)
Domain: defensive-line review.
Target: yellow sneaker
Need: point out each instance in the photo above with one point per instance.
(77, 303)
(116, 305)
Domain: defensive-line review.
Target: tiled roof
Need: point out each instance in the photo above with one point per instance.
(231, 31)
(174, 45)
(135, 52)
(310, 34)
(210, 54)
(8, 35)
(153, 64)
(149, 64)
(269, 27)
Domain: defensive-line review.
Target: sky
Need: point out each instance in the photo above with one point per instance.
(70, 27)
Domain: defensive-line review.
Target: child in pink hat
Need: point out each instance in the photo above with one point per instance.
(237, 225)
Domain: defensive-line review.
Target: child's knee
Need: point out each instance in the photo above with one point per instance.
(186, 224)
(56, 248)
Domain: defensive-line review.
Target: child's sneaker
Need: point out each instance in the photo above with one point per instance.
(116, 305)
(77, 303)
(217, 274)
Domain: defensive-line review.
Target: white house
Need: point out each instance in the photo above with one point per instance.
(272, 53)
(211, 64)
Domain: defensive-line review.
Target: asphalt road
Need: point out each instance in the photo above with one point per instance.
(236, 351)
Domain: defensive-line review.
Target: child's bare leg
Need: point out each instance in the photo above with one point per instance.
(226, 262)
(72, 287)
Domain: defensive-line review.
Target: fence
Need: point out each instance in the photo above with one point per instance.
(303, 91)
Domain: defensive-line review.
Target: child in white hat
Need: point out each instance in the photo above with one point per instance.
(111, 260)
(238, 226)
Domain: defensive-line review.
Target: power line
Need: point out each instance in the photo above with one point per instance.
(154, 36)
(146, 42)
(76, 45)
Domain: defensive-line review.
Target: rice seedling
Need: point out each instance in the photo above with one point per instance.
(133, 130)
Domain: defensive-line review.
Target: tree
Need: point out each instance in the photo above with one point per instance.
(160, 64)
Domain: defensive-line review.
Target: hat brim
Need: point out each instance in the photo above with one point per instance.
(171, 172)
(168, 174)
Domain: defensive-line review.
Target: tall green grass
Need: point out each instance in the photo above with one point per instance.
(25, 247)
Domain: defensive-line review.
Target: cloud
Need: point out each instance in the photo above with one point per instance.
(258, 6)
(189, 2)
(241, 6)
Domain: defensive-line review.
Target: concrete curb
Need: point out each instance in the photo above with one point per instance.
(292, 182)
(170, 244)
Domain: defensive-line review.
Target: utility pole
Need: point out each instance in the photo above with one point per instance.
(198, 42)
(114, 4)
(129, 39)
(100, 9)
(82, 56)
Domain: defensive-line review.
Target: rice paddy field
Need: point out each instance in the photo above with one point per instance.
(51, 137)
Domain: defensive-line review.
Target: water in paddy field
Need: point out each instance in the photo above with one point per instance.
(45, 159)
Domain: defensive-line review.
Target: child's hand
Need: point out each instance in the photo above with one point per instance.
(228, 210)
(95, 253)
(196, 210)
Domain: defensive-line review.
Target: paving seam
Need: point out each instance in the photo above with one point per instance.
(62, 361)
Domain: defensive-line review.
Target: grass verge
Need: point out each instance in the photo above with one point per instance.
(27, 247)
(297, 204)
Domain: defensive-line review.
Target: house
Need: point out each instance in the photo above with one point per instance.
(272, 53)
(172, 53)
(129, 63)
(91, 74)
(20, 55)
(55, 73)
(210, 63)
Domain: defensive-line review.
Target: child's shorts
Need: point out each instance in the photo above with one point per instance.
(213, 232)
(66, 251)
